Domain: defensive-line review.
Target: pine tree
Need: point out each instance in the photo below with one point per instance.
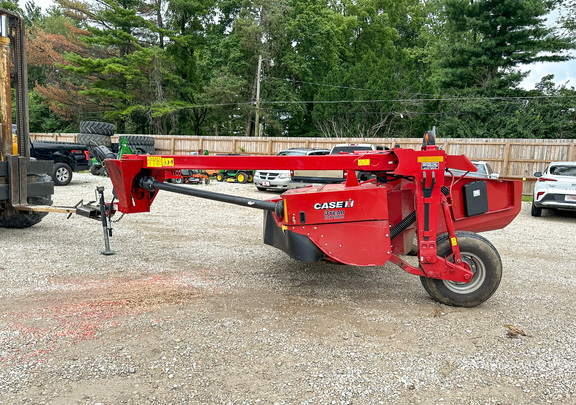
(483, 43)
(125, 72)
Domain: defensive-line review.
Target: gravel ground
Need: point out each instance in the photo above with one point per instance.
(195, 309)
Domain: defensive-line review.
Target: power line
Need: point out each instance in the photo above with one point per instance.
(413, 113)
(396, 100)
(413, 100)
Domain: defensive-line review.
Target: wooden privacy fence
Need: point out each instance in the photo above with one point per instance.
(512, 158)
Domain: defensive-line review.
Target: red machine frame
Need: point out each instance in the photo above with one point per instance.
(362, 224)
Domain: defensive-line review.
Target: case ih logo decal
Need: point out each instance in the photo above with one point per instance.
(334, 209)
(334, 204)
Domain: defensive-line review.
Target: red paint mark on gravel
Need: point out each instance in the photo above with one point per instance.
(79, 310)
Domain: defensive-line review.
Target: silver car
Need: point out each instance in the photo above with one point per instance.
(484, 170)
(279, 179)
(555, 188)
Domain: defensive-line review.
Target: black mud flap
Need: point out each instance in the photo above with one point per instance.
(298, 247)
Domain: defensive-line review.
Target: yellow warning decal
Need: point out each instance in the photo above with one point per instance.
(363, 162)
(154, 161)
(167, 161)
(422, 159)
(159, 161)
(453, 241)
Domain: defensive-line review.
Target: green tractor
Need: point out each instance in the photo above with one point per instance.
(235, 176)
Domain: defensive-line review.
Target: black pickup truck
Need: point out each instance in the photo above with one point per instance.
(67, 157)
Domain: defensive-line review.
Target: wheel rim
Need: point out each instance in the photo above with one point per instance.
(477, 267)
(241, 178)
(62, 175)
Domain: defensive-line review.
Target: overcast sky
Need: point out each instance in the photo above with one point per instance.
(564, 72)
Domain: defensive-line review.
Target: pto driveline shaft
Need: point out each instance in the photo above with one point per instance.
(151, 184)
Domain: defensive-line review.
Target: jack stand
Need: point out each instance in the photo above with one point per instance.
(105, 224)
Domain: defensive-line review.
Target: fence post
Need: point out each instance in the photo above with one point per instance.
(505, 163)
(445, 145)
(572, 152)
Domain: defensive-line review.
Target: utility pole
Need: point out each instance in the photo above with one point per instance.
(257, 123)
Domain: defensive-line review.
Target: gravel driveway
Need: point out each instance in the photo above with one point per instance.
(195, 309)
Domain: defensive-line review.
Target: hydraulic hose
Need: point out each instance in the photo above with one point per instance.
(410, 219)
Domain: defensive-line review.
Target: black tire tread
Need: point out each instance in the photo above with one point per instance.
(139, 149)
(437, 289)
(138, 140)
(58, 165)
(242, 177)
(26, 219)
(97, 127)
(535, 211)
(94, 140)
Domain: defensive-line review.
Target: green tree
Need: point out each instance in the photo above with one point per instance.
(189, 23)
(478, 49)
(377, 72)
(126, 70)
(483, 43)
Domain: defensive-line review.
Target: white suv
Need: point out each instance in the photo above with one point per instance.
(555, 188)
(279, 179)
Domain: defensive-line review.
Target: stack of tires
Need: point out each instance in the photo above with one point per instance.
(96, 134)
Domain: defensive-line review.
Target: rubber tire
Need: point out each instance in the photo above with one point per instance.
(62, 174)
(137, 140)
(241, 177)
(206, 180)
(94, 170)
(177, 181)
(25, 219)
(484, 261)
(96, 127)
(94, 140)
(536, 211)
(220, 177)
(141, 149)
(250, 178)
